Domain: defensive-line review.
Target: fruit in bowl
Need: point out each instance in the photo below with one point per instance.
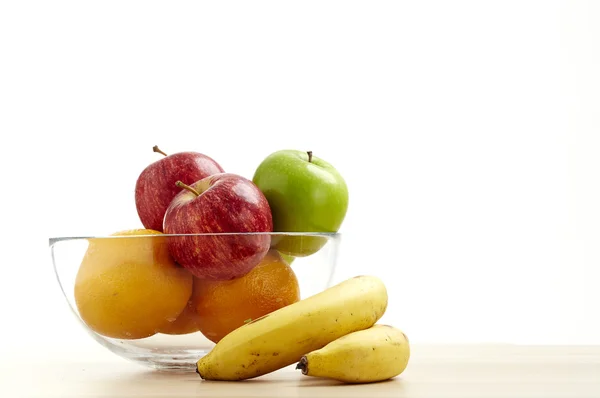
(130, 288)
(220, 204)
(155, 187)
(218, 307)
(224, 306)
(188, 321)
(306, 194)
(217, 251)
(134, 322)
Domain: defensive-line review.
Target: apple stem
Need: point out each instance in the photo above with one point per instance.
(309, 156)
(192, 190)
(156, 149)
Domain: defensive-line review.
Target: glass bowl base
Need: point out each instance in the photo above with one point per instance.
(179, 362)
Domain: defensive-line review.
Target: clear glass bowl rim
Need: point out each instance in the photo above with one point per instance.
(57, 239)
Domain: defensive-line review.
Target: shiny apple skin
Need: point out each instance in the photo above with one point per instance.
(227, 203)
(155, 186)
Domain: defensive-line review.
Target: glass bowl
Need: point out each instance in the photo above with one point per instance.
(130, 294)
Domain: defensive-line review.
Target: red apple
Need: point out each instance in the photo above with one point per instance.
(222, 203)
(155, 187)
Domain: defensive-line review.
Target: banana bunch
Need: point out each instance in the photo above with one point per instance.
(332, 334)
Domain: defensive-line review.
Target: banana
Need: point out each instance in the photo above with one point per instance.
(282, 337)
(375, 354)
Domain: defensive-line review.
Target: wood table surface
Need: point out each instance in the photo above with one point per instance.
(434, 371)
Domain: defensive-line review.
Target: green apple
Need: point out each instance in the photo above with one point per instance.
(287, 258)
(306, 194)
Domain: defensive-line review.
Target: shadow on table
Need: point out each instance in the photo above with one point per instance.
(281, 383)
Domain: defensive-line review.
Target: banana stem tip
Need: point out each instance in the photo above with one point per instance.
(303, 365)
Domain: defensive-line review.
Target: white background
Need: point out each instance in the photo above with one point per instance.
(467, 131)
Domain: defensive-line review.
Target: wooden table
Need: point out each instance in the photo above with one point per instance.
(434, 371)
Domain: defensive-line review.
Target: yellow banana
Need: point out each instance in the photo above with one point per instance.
(280, 338)
(375, 354)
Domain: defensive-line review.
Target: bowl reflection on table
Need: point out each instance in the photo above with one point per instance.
(109, 260)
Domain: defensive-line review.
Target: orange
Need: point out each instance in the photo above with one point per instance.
(188, 321)
(225, 305)
(129, 287)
